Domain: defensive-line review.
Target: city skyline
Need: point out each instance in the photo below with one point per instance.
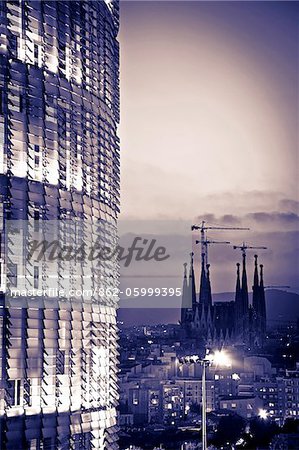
(209, 124)
(123, 326)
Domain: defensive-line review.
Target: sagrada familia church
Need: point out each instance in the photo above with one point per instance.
(227, 322)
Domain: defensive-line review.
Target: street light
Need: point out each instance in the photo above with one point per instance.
(263, 414)
(218, 358)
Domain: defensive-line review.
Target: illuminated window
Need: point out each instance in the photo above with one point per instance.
(33, 444)
(135, 399)
(17, 392)
(14, 392)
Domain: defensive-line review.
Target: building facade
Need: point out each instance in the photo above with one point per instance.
(59, 162)
(219, 324)
(246, 407)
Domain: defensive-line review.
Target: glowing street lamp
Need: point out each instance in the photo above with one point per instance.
(217, 358)
(263, 414)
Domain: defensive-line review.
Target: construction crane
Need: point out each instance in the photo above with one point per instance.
(208, 242)
(203, 229)
(245, 247)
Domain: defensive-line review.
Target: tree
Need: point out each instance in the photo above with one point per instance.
(262, 432)
(290, 426)
(229, 429)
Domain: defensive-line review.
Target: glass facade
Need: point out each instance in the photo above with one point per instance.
(59, 160)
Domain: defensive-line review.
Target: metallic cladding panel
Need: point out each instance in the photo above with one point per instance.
(59, 159)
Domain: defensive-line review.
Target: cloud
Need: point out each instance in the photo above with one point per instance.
(228, 219)
(289, 205)
(280, 217)
(259, 219)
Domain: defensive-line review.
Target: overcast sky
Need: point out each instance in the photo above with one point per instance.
(209, 114)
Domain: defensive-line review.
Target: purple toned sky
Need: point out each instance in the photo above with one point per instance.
(209, 101)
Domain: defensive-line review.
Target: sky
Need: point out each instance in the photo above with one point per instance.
(209, 113)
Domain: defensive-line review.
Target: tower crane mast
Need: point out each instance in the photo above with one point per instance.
(203, 227)
(206, 244)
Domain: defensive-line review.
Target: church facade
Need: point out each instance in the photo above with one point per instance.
(218, 324)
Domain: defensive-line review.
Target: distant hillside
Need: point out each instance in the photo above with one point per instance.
(281, 305)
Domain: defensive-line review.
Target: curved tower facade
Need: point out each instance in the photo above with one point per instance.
(59, 162)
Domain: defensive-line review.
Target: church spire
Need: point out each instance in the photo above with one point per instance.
(261, 276)
(244, 287)
(238, 285)
(202, 280)
(209, 289)
(263, 303)
(185, 299)
(192, 282)
(238, 305)
(205, 286)
(255, 289)
(256, 276)
(241, 304)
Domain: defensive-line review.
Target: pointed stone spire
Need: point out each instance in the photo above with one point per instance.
(209, 317)
(245, 302)
(192, 282)
(185, 271)
(209, 289)
(244, 287)
(185, 299)
(203, 280)
(256, 276)
(262, 303)
(255, 289)
(205, 296)
(239, 309)
(262, 276)
(238, 285)
(203, 321)
(197, 318)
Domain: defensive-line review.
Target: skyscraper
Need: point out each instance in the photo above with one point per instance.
(59, 161)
